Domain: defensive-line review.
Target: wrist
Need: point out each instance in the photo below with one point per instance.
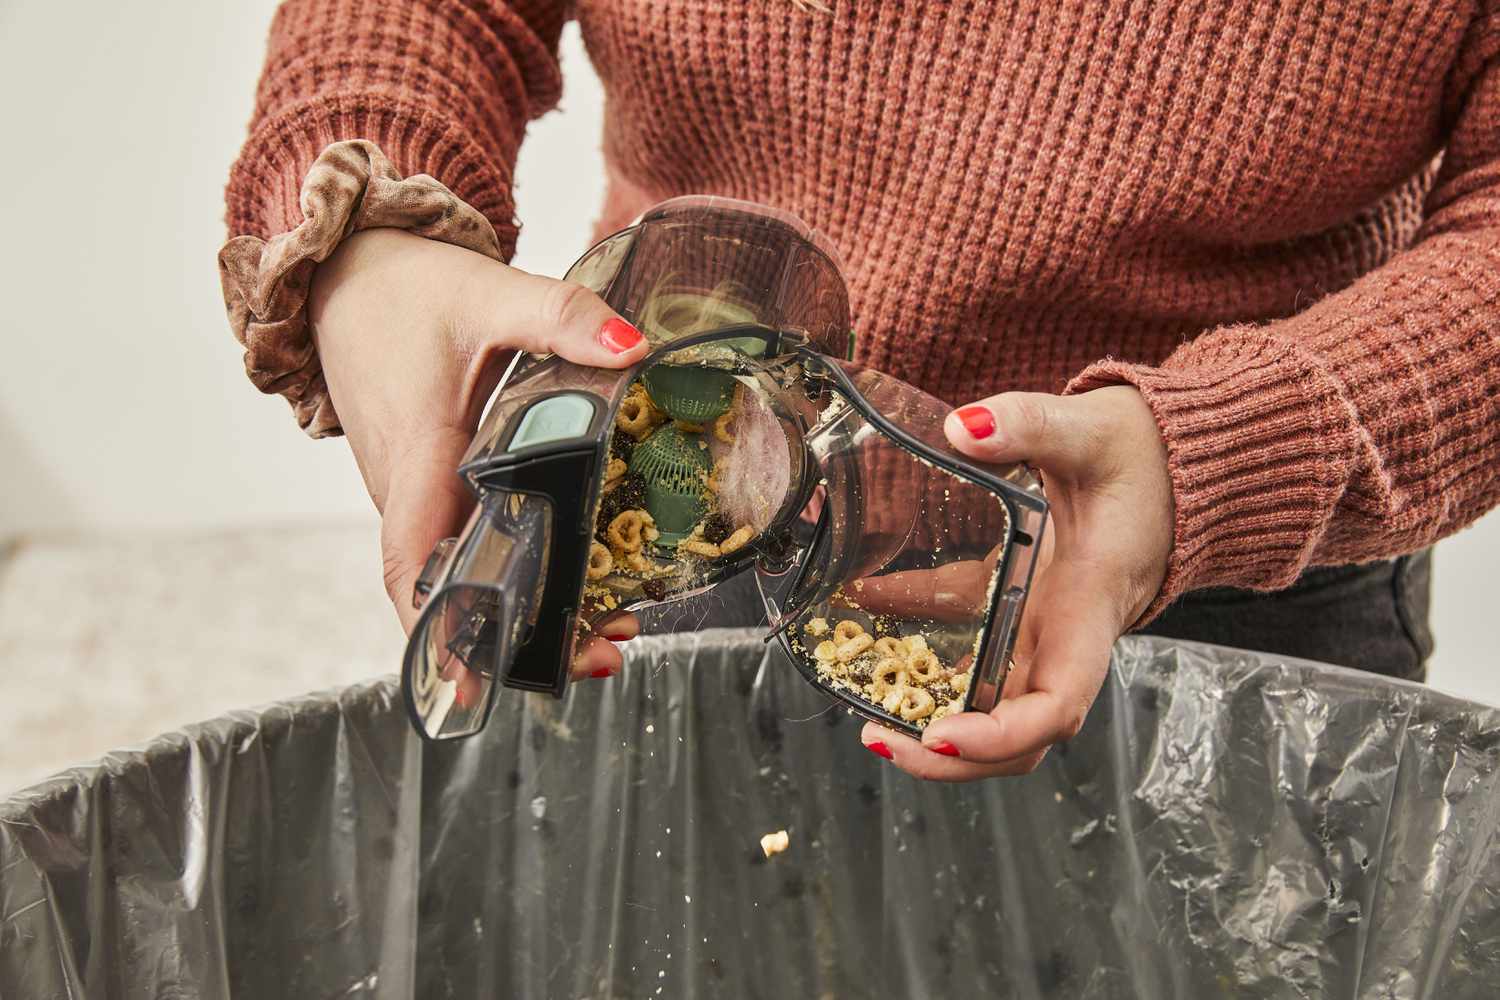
(1145, 475)
(360, 267)
(1252, 437)
(350, 189)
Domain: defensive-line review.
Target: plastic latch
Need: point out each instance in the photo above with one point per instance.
(776, 553)
(431, 570)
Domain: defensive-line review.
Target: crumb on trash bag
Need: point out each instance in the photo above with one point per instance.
(775, 843)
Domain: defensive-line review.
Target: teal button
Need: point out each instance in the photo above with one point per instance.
(556, 418)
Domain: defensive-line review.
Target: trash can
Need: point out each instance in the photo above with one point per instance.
(1227, 824)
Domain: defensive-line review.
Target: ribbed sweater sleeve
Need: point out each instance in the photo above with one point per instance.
(442, 87)
(1365, 426)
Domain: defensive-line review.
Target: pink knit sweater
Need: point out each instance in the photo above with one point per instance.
(1280, 221)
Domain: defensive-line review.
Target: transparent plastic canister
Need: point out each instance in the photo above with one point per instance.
(846, 498)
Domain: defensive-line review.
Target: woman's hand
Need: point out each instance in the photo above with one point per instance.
(414, 335)
(1103, 560)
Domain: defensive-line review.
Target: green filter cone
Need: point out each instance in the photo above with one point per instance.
(674, 466)
(688, 392)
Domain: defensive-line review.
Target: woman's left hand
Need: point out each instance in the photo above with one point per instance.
(1103, 560)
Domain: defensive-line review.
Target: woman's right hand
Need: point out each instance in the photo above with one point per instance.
(413, 336)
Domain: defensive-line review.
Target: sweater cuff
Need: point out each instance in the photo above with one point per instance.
(1259, 440)
(350, 187)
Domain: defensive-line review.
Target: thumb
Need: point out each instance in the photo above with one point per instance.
(425, 503)
(1055, 433)
(520, 311)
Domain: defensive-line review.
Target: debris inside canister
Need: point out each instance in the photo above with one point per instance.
(666, 517)
(775, 843)
(901, 674)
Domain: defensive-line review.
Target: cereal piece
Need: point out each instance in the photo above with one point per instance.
(691, 428)
(711, 482)
(698, 547)
(959, 683)
(924, 667)
(915, 704)
(774, 843)
(916, 643)
(637, 416)
(637, 563)
(639, 391)
(945, 710)
(816, 627)
(827, 651)
(892, 700)
(847, 629)
(630, 530)
(724, 426)
(737, 541)
(891, 646)
(600, 561)
(888, 673)
(849, 650)
(614, 472)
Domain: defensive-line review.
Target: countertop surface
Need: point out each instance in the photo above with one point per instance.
(106, 643)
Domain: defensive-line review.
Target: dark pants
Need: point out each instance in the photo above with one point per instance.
(1372, 617)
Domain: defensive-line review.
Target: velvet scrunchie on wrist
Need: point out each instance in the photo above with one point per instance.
(350, 187)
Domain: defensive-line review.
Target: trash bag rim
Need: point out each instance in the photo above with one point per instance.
(375, 695)
(383, 693)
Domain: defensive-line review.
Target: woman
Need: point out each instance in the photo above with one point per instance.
(1224, 273)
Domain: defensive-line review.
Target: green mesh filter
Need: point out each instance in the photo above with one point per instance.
(674, 465)
(688, 392)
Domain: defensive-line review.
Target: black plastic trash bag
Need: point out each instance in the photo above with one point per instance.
(1226, 825)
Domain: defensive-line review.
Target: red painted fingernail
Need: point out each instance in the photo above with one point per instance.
(945, 748)
(880, 748)
(602, 672)
(618, 335)
(460, 697)
(618, 638)
(978, 421)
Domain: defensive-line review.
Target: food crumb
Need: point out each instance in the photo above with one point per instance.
(775, 843)
(650, 729)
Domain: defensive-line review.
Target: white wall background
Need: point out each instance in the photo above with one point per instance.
(124, 402)
(123, 406)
